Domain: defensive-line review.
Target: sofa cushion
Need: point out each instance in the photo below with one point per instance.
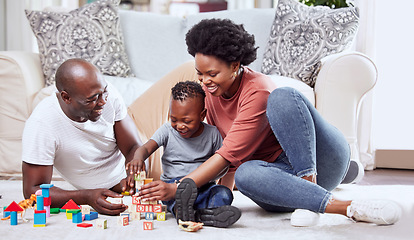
(91, 32)
(301, 36)
(154, 43)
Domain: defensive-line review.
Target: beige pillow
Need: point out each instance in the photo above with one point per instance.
(91, 32)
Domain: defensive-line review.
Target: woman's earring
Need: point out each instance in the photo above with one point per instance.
(235, 74)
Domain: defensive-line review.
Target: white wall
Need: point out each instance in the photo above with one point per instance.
(393, 111)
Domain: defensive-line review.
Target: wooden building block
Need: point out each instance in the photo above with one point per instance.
(148, 225)
(123, 220)
(161, 216)
(102, 223)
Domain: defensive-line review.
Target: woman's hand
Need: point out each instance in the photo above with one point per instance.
(157, 190)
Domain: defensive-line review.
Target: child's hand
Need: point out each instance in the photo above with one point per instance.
(135, 166)
(157, 190)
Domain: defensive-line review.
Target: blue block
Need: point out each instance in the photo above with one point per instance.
(39, 203)
(45, 189)
(13, 218)
(149, 216)
(77, 217)
(91, 216)
(5, 213)
(39, 219)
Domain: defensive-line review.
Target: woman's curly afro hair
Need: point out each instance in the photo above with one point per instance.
(223, 39)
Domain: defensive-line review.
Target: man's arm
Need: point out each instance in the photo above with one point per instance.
(35, 175)
(127, 138)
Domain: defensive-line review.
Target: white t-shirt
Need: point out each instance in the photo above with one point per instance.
(85, 154)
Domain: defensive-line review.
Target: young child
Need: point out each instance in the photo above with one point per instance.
(187, 142)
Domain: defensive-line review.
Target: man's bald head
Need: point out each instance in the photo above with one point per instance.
(72, 72)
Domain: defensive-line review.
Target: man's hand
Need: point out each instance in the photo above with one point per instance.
(96, 198)
(157, 190)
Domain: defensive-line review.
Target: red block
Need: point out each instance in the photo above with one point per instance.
(84, 225)
(47, 201)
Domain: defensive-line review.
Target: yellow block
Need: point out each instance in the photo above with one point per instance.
(39, 225)
(161, 216)
(68, 215)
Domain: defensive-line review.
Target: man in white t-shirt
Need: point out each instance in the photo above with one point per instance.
(85, 133)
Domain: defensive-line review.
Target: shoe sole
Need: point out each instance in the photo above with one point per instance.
(184, 200)
(221, 217)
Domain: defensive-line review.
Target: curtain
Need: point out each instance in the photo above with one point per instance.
(15, 17)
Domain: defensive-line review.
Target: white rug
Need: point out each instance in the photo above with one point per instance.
(254, 223)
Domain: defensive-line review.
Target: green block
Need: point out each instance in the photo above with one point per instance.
(62, 210)
(73, 211)
(55, 210)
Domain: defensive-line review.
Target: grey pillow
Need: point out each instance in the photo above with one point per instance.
(301, 36)
(91, 32)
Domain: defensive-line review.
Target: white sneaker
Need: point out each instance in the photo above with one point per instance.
(380, 212)
(304, 218)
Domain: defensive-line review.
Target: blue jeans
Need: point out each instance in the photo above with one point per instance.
(210, 195)
(310, 146)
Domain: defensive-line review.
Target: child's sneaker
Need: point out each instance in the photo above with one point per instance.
(222, 217)
(380, 212)
(184, 200)
(304, 218)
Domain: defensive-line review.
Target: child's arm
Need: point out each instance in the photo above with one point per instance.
(137, 164)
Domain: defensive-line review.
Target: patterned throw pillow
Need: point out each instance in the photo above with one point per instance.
(91, 32)
(301, 36)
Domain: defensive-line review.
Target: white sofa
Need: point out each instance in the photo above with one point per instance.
(155, 45)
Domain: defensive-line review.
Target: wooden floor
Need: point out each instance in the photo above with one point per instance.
(383, 176)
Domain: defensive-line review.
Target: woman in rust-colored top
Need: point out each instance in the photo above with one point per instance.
(288, 158)
(282, 154)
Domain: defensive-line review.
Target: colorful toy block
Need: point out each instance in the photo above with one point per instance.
(157, 208)
(91, 216)
(161, 216)
(148, 225)
(77, 217)
(45, 189)
(123, 220)
(86, 209)
(135, 216)
(114, 200)
(39, 203)
(13, 208)
(102, 223)
(149, 216)
(70, 205)
(47, 201)
(135, 200)
(47, 208)
(147, 180)
(84, 225)
(126, 214)
(5, 214)
(39, 218)
(54, 210)
(68, 214)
